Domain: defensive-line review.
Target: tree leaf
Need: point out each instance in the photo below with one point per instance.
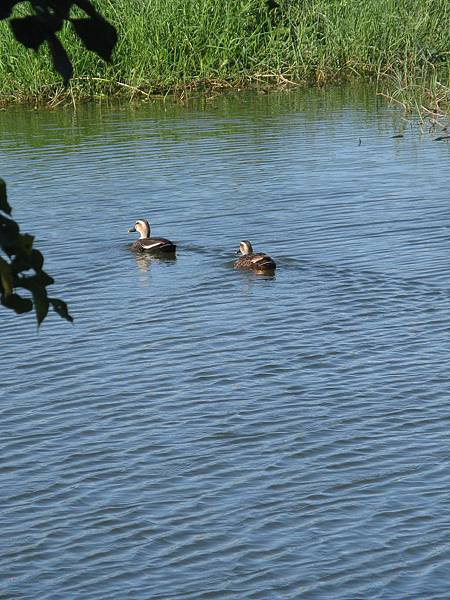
(36, 260)
(35, 282)
(62, 8)
(97, 35)
(9, 231)
(4, 206)
(29, 31)
(6, 277)
(61, 308)
(23, 262)
(61, 61)
(24, 243)
(41, 303)
(87, 6)
(6, 7)
(17, 303)
(19, 263)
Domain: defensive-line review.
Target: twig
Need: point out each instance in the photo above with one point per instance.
(112, 82)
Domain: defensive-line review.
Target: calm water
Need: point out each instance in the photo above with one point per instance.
(202, 433)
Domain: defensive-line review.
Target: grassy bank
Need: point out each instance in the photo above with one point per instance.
(166, 46)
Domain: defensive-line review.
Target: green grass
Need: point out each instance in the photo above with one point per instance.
(167, 46)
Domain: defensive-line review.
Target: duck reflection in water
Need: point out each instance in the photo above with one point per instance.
(145, 262)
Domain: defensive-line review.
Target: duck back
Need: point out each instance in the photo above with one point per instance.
(154, 246)
(260, 262)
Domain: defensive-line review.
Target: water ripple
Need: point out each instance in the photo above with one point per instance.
(202, 433)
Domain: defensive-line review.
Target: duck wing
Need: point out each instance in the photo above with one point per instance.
(262, 261)
(153, 245)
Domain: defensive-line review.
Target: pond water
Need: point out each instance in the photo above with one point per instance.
(205, 433)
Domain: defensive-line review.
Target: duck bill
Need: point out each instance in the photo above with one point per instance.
(132, 229)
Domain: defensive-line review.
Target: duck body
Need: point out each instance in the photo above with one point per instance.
(258, 262)
(150, 245)
(154, 245)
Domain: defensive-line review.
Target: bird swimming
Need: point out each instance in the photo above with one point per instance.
(258, 262)
(150, 245)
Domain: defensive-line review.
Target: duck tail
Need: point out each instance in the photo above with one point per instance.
(267, 265)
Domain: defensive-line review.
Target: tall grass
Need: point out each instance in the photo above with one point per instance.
(173, 45)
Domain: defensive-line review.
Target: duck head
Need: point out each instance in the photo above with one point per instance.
(142, 226)
(245, 248)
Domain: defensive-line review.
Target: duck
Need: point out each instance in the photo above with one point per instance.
(148, 244)
(259, 262)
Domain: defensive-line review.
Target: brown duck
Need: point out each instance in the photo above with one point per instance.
(259, 262)
(148, 244)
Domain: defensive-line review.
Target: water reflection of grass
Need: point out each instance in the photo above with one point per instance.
(233, 114)
(185, 44)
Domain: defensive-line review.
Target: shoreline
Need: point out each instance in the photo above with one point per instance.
(426, 102)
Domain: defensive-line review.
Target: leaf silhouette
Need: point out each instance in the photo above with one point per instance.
(4, 206)
(61, 61)
(60, 307)
(29, 31)
(6, 7)
(97, 35)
